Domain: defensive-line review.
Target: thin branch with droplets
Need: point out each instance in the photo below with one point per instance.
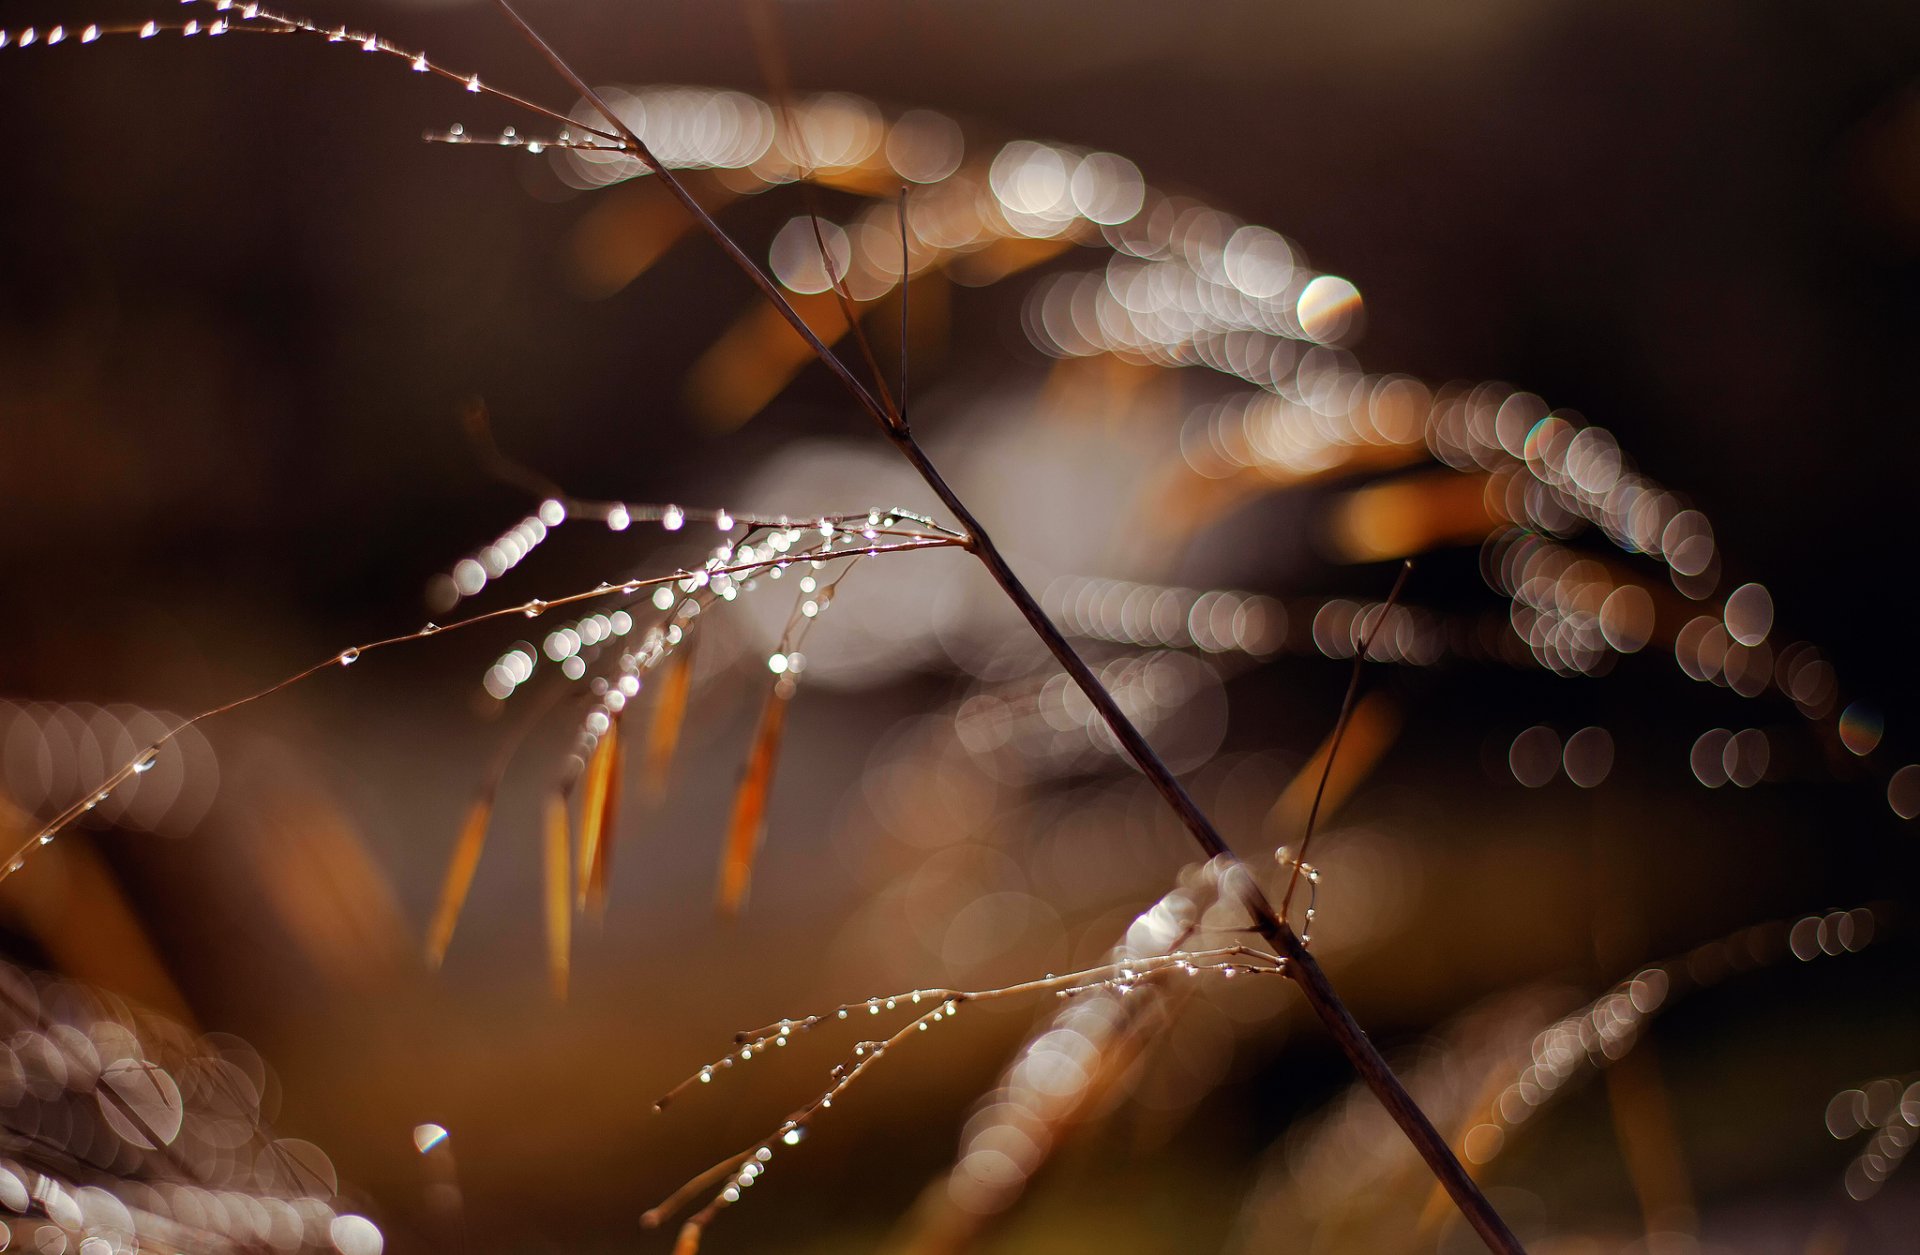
(528, 609)
(1122, 976)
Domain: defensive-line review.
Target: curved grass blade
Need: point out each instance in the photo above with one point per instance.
(559, 916)
(750, 804)
(460, 869)
(669, 712)
(597, 814)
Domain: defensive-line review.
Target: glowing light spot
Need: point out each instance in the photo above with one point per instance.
(1749, 613)
(1588, 757)
(795, 255)
(1328, 308)
(1746, 757)
(355, 1235)
(1107, 188)
(1861, 728)
(1626, 618)
(1484, 1142)
(469, 577)
(924, 146)
(1031, 179)
(1708, 758)
(428, 1136)
(1903, 791)
(1535, 756)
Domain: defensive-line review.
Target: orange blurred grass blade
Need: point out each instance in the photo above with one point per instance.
(460, 870)
(669, 712)
(559, 916)
(750, 804)
(597, 816)
(1370, 732)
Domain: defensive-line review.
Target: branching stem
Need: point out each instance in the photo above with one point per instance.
(1301, 966)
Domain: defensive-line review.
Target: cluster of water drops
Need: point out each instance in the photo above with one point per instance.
(753, 548)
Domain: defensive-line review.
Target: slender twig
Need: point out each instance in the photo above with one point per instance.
(939, 1005)
(1305, 971)
(1340, 731)
(906, 266)
(1101, 975)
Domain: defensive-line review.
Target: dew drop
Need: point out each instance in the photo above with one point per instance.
(673, 519)
(723, 521)
(473, 83)
(145, 762)
(534, 609)
(348, 657)
(420, 63)
(792, 1137)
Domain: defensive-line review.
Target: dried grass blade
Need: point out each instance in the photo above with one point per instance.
(669, 712)
(460, 869)
(559, 914)
(750, 804)
(597, 817)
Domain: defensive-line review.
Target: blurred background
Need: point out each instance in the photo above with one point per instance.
(1187, 294)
